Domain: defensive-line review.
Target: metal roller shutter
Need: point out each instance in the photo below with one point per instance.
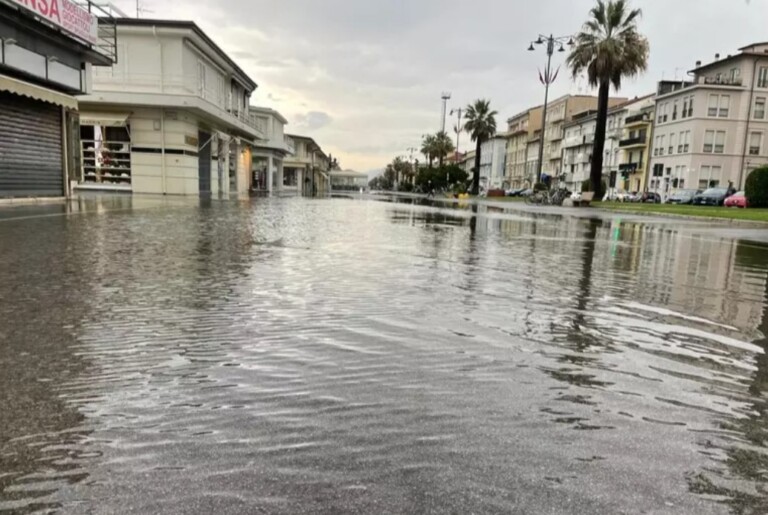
(30, 147)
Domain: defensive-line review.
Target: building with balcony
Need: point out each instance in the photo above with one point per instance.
(579, 142)
(348, 180)
(532, 158)
(521, 129)
(267, 172)
(492, 162)
(46, 60)
(559, 113)
(171, 116)
(712, 131)
(306, 171)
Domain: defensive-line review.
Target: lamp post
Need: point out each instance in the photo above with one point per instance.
(548, 79)
(446, 96)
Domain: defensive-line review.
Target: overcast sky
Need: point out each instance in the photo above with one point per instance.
(364, 77)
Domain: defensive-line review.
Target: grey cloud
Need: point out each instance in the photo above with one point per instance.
(313, 120)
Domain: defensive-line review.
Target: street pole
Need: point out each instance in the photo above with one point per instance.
(547, 79)
(550, 51)
(446, 96)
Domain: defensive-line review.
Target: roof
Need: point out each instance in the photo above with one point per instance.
(523, 113)
(307, 138)
(348, 173)
(190, 25)
(268, 110)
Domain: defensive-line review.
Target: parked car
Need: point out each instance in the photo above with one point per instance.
(683, 197)
(526, 193)
(625, 196)
(711, 197)
(515, 192)
(648, 197)
(737, 200)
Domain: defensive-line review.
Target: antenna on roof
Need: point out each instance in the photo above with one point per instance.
(140, 9)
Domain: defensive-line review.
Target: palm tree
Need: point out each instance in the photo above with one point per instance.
(608, 48)
(481, 125)
(428, 148)
(443, 146)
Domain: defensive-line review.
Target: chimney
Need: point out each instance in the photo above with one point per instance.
(698, 64)
(717, 56)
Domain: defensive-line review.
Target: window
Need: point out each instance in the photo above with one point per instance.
(690, 107)
(661, 145)
(734, 74)
(687, 146)
(719, 142)
(759, 108)
(201, 78)
(713, 103)
(674, 111)
(725, 104)
(755, 142)
(709, 141)
(671, 149)
(762, 77)
(685, 108)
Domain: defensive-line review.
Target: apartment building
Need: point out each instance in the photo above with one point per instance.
(560, 112)
(521, 129)
(625, 150)
(306, 172)
(171, 116)
(46, 60)
(267, 172)
(712, 131)
(492, 162)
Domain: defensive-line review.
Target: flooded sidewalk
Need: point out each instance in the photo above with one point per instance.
(352, 355)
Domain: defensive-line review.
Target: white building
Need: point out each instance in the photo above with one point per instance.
(712, 132)
(305, 172)
(268, 155)
(171, 116)
(493, 154)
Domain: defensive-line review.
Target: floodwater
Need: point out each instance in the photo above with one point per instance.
(363, 356)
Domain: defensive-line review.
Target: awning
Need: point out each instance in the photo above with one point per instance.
(103, 119)
(19, 87)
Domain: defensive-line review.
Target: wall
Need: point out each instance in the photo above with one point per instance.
(180, 174)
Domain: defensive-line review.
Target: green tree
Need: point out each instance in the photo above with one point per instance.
(756, 188)
(609, 48)
(442, 147)
(481, 125)
(428, 148)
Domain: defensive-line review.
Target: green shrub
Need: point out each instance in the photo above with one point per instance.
(587, 186)
(756, 188)
(540, 186)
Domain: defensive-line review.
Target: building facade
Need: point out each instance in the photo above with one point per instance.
(46, 59)
(712, 132)
(493, 153)
(625, 151)
(521, 129)
(306, 171)
(267, 174)
(348, 180)
(171, 116)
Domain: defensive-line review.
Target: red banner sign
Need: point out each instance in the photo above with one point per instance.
(66, 15)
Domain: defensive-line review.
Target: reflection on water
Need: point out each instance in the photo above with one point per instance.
(359, 356)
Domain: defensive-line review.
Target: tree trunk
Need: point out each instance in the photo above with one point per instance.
(440, 160)
(596, 172)
(430, 161)
(476, 171)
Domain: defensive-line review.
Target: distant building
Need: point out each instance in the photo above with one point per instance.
(305, 172)
(712, 131)
(492, 162)
(348, 180)
(521, 129)
(268, 154)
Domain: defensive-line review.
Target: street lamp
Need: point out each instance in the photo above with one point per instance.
(446, 96)
(548, 79)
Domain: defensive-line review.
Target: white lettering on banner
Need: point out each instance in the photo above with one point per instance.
(67, 15)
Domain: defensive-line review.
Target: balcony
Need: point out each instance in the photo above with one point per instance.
(631, 167)
(638, 141)
(722, 81)
(576, 141)
(638, 119)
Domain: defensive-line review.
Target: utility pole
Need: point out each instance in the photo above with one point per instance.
(446, 96)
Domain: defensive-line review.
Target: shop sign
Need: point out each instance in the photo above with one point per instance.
(66, 15)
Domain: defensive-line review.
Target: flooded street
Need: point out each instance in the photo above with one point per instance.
(369, 356)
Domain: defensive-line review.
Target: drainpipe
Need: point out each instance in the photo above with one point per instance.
(163, 179)
(746, 130)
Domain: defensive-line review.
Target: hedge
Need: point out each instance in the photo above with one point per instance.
(756, 188)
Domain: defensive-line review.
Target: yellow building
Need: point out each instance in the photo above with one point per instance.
(635, 149)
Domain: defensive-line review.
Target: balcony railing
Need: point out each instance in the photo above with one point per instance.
(637, 118)
(723, 81)
(631, 167)
(631, 142)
